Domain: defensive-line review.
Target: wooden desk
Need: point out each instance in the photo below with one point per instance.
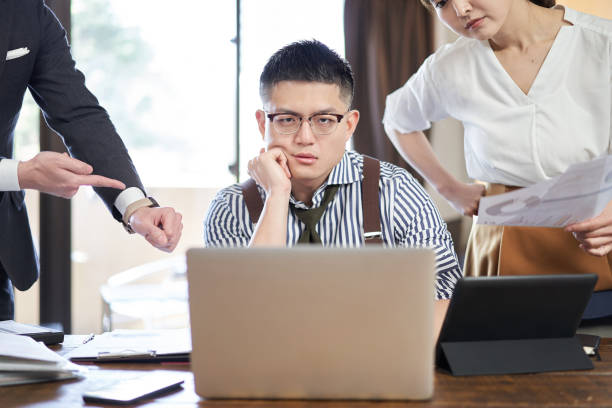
(591, 388)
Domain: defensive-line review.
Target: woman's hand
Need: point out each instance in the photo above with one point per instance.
(464, 197)
(595, 234)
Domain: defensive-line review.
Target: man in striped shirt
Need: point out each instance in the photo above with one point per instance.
(306, 121)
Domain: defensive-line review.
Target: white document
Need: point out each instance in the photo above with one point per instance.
(23, 360)
(10, 378)
(582, 192)
(134, 343)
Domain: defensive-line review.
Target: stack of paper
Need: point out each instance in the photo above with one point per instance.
(23, 360)
(38, 333)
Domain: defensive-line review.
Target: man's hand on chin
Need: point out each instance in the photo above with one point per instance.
(160, 226)
(270, 170)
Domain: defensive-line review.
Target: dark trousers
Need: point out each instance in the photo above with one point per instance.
(7, 305)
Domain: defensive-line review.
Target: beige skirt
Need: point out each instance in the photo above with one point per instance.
(494, 250)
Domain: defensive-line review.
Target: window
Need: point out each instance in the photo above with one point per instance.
(165, 71)
(167, 76)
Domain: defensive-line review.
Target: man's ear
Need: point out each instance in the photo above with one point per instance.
(352, 118)
(261, 122)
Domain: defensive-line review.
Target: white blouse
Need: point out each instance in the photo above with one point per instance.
(511, 137)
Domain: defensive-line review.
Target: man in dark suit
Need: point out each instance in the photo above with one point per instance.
(34, 54)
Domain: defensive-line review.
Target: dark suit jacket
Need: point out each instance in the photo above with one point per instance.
(68, 107)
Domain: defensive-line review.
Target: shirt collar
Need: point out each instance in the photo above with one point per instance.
(346, 171)
(568, 13)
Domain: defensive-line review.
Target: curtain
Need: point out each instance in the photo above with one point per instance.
(386, 41)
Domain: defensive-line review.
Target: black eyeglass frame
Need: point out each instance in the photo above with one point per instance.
(338, 116)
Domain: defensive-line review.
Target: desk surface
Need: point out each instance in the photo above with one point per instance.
(558, 389)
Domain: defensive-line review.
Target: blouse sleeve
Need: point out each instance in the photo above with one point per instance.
(416, 104)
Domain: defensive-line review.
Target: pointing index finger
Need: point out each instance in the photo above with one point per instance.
(100, 181)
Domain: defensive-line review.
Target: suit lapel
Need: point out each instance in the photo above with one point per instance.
(6, 18)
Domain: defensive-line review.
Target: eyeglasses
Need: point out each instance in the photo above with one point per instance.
(320, 123)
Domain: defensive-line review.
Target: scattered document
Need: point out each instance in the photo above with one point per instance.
(38, 333)
(135, 345)
(23, 360)
(582, 192)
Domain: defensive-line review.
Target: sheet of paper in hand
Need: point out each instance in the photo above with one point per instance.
(582, 192)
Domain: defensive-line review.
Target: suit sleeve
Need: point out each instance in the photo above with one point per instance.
(71, 110)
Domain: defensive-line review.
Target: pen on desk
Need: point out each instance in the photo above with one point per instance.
(89, 338)
(128, 353)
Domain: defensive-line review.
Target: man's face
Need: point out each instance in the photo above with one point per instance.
(310, 156)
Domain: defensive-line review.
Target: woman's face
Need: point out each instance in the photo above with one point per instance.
(478, 19)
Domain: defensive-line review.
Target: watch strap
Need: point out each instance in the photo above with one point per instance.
(143, 202)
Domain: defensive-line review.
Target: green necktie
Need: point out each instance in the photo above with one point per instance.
(312, 216)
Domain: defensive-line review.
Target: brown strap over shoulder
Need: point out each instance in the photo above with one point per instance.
(252, 199)
(370, 200)
(372, 231)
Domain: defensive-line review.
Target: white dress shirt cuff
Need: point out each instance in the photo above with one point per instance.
(127, 197)
(9, 178)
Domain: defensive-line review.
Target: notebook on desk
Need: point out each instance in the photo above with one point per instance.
(134, 346)
(312, 323)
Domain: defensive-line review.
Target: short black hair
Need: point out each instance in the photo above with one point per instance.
(310, 61)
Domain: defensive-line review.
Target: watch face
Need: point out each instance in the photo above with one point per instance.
(128, 228)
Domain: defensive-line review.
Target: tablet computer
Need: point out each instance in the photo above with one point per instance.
(515, 324)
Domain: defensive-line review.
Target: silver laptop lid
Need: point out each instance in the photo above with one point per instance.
(312, 322)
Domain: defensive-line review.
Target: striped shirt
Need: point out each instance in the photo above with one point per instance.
(408, 216)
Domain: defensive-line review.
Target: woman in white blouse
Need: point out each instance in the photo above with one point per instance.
(531, 83)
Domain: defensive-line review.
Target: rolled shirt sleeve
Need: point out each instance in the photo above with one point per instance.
(227, 219)
(418, 224)
(416, 104)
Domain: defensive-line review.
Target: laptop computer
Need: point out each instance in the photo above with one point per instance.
(312, 322)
